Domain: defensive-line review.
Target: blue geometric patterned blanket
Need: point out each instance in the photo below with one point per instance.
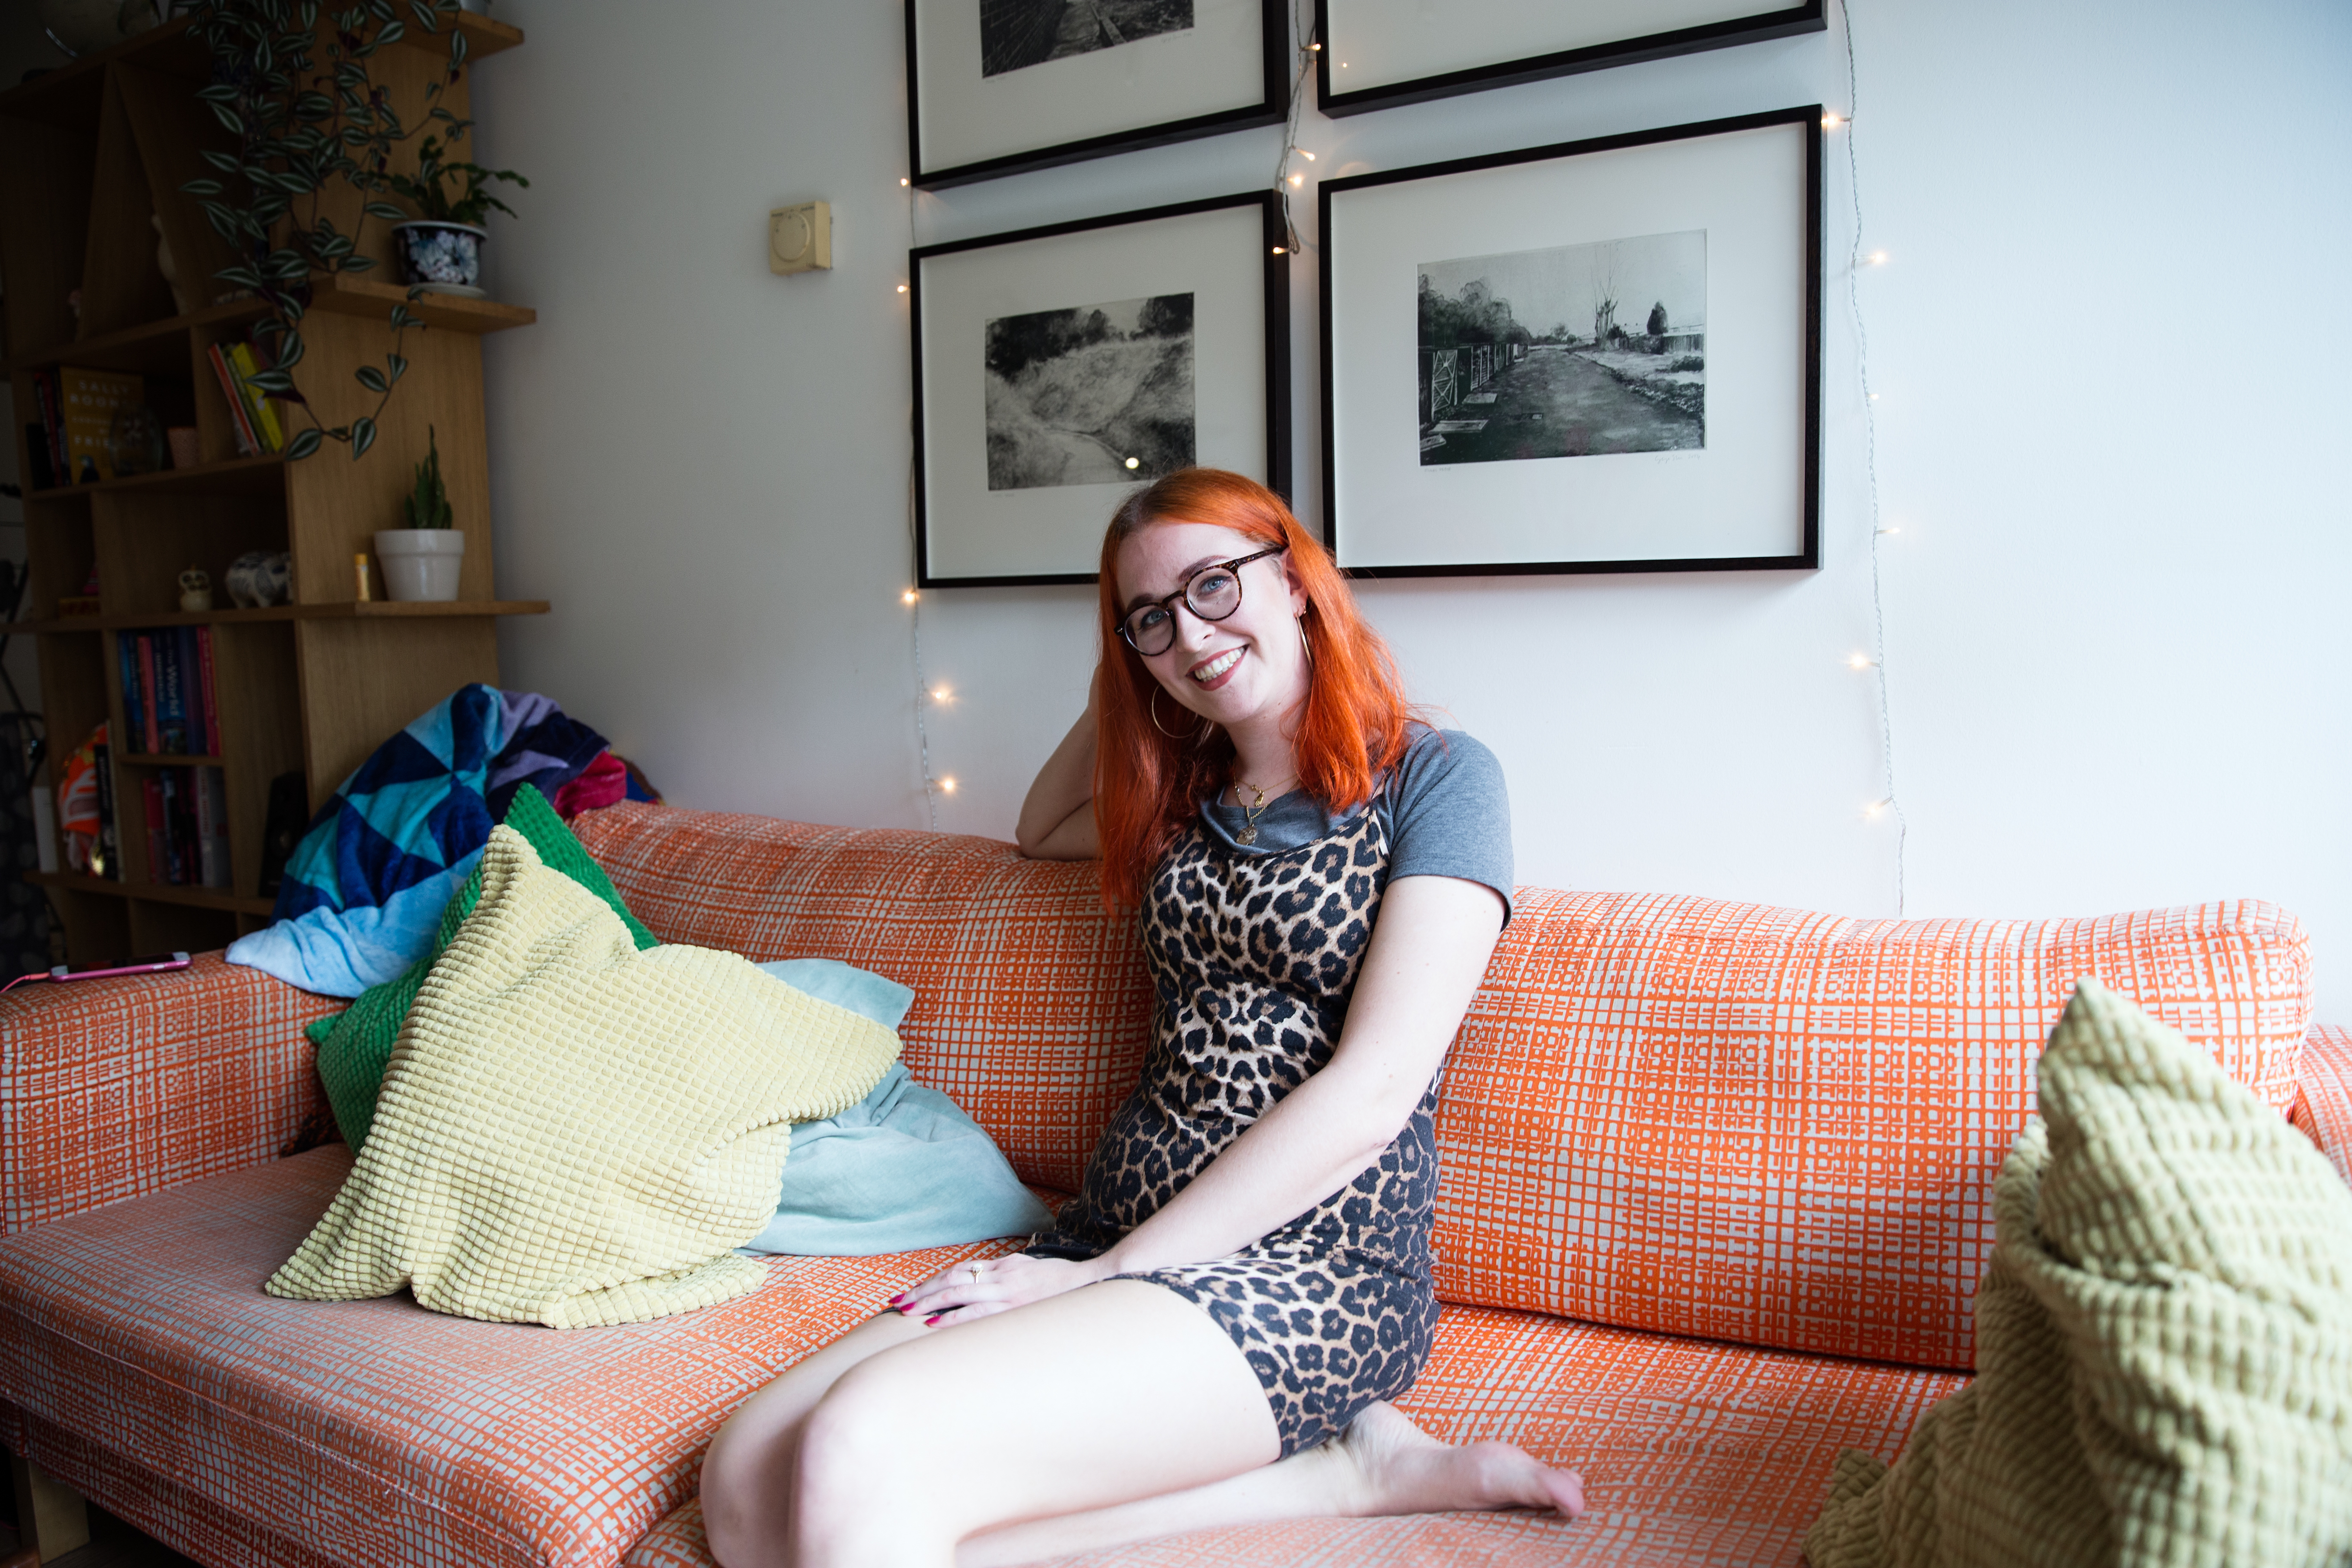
(365, 888)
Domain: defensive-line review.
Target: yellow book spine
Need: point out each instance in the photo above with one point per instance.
(264, 410)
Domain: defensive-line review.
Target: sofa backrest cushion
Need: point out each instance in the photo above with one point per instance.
(1778, 1128)
(1677, 1115)
(1031, 1010)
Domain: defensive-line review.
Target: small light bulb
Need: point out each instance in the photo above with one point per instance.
(1860, 661)
(947, 785)
(1873, 397)
(1313, 49)
(1878, 258)
(1298, 179)
(902, 180)
(1890, 528)
(902, 287)
(1872, 809)
(1303, 151)
(908, 597)
(1135, 462)
(942, 694)
(1832, 120)
(1280, 251)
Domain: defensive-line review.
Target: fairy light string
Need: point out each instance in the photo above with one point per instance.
(912, 598)
(1889, 799)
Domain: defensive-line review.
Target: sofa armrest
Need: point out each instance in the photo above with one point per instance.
(2323, 1102)
(109, 1089)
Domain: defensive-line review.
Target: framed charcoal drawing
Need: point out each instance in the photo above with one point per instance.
(1603, 356)
(1057, 368)
(1377, 54)
(1003, 87)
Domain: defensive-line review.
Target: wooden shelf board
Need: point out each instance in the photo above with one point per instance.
(167, 760)
(235, 476)
(345, 611)
(154, 892)
(160, 347)
(349, 296)
(68, 95)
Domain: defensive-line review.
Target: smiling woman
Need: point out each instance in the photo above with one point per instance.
(1213, 1331)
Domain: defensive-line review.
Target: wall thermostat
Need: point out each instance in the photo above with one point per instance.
(800, 239)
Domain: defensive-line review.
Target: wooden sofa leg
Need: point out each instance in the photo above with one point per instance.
(51, 1517)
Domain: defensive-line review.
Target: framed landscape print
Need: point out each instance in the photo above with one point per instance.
(1380, 53)
(1057, 368)
(1604, 356)
(1001, 87)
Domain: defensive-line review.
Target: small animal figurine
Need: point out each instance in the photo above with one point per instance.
(257, 579)
(196, 589)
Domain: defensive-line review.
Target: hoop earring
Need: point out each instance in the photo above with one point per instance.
(1303, 645)
(1153, 703)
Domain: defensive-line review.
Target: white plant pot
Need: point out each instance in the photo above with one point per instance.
(420, 563)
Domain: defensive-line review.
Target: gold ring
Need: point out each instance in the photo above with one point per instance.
(975, 1273)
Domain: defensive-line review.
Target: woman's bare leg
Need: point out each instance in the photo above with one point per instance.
(747, 1473)
(1382, 1464)
(1103, 1395)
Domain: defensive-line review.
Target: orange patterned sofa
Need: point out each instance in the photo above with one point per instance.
(1715, 1197)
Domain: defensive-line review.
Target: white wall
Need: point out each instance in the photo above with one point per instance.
(2108, 343)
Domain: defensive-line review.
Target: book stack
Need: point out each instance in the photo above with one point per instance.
(169, 707)
(187, 827)
(78, 409)
(255, 417)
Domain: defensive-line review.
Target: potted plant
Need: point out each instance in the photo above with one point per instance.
(421, 562)
(441, 249)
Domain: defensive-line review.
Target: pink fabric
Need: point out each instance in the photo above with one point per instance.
(603, 782)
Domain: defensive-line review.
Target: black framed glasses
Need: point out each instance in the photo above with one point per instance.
(1211, 593)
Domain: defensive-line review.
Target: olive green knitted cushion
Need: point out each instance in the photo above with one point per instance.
(355, 1045)
(2164, 1337)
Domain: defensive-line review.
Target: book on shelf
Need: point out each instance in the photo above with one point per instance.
(211, 828)
(187, 829)
(90, 399)
(239, 422)
(211, 693)
(171, 703)
(53, 423)
(151, 737)
(260, 412)
(106, 860)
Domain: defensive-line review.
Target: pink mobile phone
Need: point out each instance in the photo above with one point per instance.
(146, 963)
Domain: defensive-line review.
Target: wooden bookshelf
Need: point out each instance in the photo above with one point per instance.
(91, 158)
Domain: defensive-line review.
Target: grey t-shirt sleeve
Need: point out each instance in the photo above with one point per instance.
(1449, 813)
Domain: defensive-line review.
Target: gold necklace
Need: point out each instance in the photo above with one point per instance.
(1250, 813)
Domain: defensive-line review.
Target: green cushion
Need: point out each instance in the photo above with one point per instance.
(355, 1045)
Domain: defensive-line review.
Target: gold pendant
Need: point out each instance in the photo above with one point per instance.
(1246, 836)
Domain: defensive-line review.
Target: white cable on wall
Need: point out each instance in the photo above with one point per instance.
(1890, 800)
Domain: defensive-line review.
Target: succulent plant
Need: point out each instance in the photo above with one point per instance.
(429, 505)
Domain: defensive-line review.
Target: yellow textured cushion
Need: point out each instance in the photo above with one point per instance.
(2164, 1338)
(574, 1132)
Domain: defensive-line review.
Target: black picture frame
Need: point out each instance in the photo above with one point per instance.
(1808, 16)
(1806, 557)
(1274, 287)
(1274, 26)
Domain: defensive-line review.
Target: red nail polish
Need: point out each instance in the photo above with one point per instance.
(933, 1318)
(898, 1298)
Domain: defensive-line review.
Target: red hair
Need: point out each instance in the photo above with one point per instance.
(1148, 785)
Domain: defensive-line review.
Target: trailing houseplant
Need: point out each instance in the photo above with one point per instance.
(307, 113)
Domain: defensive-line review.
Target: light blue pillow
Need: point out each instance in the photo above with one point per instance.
(902, 1169)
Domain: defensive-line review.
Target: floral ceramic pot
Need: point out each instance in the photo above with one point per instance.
(445, 258)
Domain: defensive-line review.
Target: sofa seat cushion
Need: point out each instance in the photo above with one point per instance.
(1692, 1453)
(379, 1432)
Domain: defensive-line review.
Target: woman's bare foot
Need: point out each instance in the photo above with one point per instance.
(1382, 1464)
(1394, 1466)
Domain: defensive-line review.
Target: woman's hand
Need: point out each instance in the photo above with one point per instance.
(984, 1287)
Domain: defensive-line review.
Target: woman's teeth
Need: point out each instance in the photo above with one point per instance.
(1217, 667)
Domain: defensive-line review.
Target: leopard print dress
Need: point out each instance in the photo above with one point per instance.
(1252, 959)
